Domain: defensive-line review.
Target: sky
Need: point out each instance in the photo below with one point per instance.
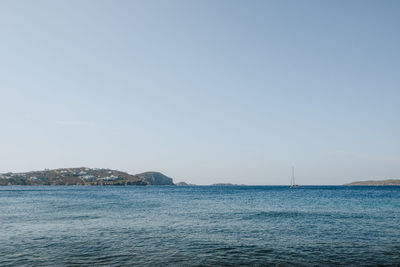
(203, 91)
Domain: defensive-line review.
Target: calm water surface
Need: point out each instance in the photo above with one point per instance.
(199, 226)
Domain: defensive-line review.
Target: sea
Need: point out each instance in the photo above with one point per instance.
(199, 226)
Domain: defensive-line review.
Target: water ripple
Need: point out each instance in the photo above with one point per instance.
(199, 226)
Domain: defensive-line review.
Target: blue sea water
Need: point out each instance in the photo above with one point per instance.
(199, 226)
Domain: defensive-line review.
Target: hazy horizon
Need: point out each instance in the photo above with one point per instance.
(203, 91)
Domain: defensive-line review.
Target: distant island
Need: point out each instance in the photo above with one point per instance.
(377, 182)
(184, 184)
(224, 184)
(83, 176)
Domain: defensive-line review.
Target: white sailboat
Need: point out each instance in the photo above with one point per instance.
(292, 182)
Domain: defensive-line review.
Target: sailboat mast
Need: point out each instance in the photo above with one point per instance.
(292, 181)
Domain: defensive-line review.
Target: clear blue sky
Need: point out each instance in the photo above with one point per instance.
(203, 91)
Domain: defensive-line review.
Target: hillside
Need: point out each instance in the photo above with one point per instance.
(377, 182)
(83, 176)
(154, 178)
